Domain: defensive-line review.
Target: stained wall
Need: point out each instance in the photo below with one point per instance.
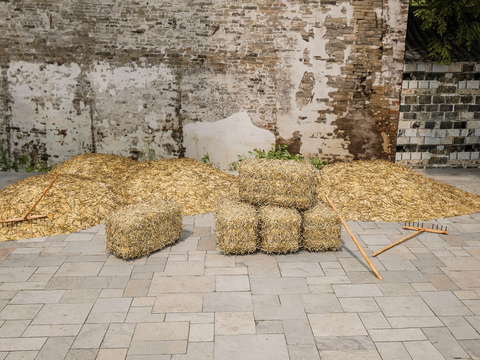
(120, 76)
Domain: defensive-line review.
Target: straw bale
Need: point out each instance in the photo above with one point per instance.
(236, 227)
(73, 203)
(321, 228)
(279, 229)
(193, 185)
(142, 228)
(383, 191)
(277, 182)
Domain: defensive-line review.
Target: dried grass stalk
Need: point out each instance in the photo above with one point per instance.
(279, 229)
(106, 168)
(191, 184)
(142, 228)
(73, 203)
(277, 182)
(321, 228)
(383, 191)
(236, 227)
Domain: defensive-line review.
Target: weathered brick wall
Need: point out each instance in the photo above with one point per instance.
(440, 116)
(114, 76)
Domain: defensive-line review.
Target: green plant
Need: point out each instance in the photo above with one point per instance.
(41, 167)
(23, 160)
(318, 163)
(439, 15)
(147, 153)
(6, 163)
(277, 152)
(206, 160)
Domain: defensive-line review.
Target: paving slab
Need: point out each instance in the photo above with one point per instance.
(444, 303)
(259, 347)
(180, 302)
(234, 323)
(60, 314)
(403, 306)
(336, 324)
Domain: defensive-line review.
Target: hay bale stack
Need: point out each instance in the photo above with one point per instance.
(321, 228)
(73, 203)
(142, 228)
(236, 227)
(288, 184)
(279, 229)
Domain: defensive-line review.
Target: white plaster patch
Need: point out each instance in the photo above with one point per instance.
(43, 111)
(224, 140)
(394, 14)
(152, 120)
(316, 136)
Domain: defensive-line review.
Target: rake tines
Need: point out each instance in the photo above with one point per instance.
(418, 230)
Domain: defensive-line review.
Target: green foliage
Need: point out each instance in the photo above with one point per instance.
(41, 167)
(23, 160)
(147, 153)
(6, 164)
(206, 160)
(437, 14)
(277, 152)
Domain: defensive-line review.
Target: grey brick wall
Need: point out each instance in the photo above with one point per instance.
(439, 122)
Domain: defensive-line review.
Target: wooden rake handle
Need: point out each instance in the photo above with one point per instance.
(354, 240)
(40, 198)
(399, 241)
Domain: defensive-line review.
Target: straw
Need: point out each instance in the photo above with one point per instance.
(277, 182)
(236, 227)
(142, 228)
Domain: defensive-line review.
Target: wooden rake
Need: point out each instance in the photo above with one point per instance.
(354, 239)
(33, 217)
(418, 230)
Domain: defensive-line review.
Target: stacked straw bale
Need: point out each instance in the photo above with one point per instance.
(279, 229)
(321, 228)
(279, 190)
(283, 183)
(142, 228)
(236, 226)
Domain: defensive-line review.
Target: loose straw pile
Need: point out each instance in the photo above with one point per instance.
(90, 186)
(383, 191)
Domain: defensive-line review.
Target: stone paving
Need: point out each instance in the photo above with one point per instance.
(63, 297)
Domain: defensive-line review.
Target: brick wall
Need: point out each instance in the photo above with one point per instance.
(439, 122)
(116, 76)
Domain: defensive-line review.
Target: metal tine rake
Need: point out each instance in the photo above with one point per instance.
(14, 221)
(418, 230)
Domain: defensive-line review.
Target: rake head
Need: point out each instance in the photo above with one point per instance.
(434, 228)
(16, 221)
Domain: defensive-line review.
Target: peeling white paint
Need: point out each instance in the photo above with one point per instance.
(394, 14)
(289, 121)
(224, 140)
